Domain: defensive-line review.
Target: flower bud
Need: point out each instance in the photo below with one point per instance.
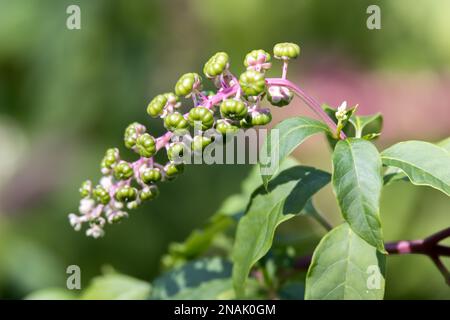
(279, 96)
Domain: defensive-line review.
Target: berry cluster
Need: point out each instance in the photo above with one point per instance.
(235, 105)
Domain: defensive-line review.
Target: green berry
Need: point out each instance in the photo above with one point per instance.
(123, 171)
(101, 195)
(86, 189)
(149, 193)
(187, 83)
(261, 118)
(257, 57)
(175, 151)
(146, 145)
(233, 109)
(202, 115)
(279, 96)
(216, 65)
(252, 82)
(173, 170)
(156, 106)
(175, 121)
(132, 133)
(110, 159)
(151, 175)
(256, 118)
(200, 142)
(126, 194)
(286, 50)
(224, 127)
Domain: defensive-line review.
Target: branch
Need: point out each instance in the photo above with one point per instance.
(429, 246)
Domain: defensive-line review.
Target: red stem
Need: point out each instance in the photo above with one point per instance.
(310, 101)
(429, 246)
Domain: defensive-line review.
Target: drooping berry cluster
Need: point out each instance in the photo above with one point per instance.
(236, 104)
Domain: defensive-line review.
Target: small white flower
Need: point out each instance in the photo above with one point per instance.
(86, 206)
(75, 221)
(95, 231)
(341, 111)
(106, 182)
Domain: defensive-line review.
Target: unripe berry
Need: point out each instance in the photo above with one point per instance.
(126, 194)
(175, 121)
(252, 82)
(132, 132)
(156, 106)
(187, 83)
(217, 64)
(110, 159)
(286, 50)
(149, 193)
(173, 170)
(200, 142)
(257, 118)
(86, 189)
(233, 109)
(101, 195)
(146, 145)
(151, 175)
(279, 96)
(175, 151)
(224, 127)
(123, 171)
(202, 115)
(257, 60)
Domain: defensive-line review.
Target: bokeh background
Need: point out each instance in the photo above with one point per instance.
(66, 95)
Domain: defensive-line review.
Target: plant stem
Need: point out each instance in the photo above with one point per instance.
(429, 247)
(310, 101)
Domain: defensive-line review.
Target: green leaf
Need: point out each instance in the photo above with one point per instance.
(116, 286)
(218, 289)
(285, 197)
(367, 126)
(287, 136)
(445, 144)
(344, 266)
(52, 294)
(357, 183)
(190, 275)
(424, 163)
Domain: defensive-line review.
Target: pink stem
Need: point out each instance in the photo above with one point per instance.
(310, 101)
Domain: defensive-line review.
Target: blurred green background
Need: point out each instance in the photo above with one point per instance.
(66, 96)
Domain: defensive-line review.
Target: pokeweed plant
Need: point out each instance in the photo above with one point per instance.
(348, 263)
